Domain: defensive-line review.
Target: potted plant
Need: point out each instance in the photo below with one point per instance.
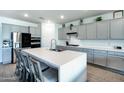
(99, 18)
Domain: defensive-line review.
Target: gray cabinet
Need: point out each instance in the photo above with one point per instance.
(15, 28)
(0, 43)
(6, 55)
(8, 28)
(100, 57)
(89, 54)
(6, 31)
(0, 55)
(116, 60)
(74, 29)
(91, 31)
(35, 32)
(62, 33)
(82, 32)
(103, 30)
(23, 29)
(117, 29)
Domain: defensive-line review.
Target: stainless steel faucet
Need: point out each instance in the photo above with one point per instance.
(52, 43)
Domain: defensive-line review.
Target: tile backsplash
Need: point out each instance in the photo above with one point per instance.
(106, 43)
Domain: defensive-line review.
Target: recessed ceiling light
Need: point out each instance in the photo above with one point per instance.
(62, 16)
(26, 15)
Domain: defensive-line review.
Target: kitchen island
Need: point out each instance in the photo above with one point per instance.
(71, 65)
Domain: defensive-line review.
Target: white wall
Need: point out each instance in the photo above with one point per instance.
(16, 22)
(74, 40)
(48, 33)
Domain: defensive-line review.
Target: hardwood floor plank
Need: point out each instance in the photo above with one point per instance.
(95, 74)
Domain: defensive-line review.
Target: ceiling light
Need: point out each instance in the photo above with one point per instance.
(26, 15)
(62, 16)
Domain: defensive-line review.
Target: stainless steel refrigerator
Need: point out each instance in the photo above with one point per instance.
(20, 40)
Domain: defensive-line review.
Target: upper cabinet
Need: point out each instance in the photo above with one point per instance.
(23, 29)
(91, 31)
(117, 29)
(6, 31)
(102, 30)
(62, 33)
(82, 32)
(74, 29)
(35, 32)
(8, 28)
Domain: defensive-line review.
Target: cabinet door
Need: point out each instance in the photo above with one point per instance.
(89, 54)
(103, 30)
(35, 32)
(82, 32)
(0, 55)
(1, 36)
(91, 31)
(66, 30)
(60, 34)
(32, 31)
(6, 31)
(74, 29)
(6, 52)
(117, 29)
(38, 34)
(89, 57)
(116, 62)
(15, 28)
(100, 59)
(23, 29)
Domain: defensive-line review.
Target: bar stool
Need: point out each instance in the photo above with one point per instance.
(27, 73)
(19, 64)
(49, 75)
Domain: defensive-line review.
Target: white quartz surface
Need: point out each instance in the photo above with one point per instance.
(54, 58)
(99, 48)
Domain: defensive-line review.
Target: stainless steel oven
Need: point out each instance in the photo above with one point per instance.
(35, 42)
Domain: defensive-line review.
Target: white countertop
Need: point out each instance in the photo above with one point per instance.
(98, 48)
(56, 58)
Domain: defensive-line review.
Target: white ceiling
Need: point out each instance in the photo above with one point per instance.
(53, 15)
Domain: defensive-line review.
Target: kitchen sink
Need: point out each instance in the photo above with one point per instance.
(57, 50)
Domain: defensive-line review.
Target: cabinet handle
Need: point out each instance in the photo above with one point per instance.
(117, 57)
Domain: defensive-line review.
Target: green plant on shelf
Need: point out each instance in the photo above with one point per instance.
(99, 19)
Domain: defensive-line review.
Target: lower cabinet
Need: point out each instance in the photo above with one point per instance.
(110, 59)
(6, 55)
(116, 62)
(0, 55)
(89, 55)
(100, 57)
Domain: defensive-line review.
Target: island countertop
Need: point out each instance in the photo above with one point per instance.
(71, 65)
(53, 58)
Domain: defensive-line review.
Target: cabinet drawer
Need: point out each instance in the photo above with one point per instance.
(116, 53)
(100, 59)
(119, 54)
(116, 62)
(90, 58)
(6, 55)
(87, 50)
(111, 52)
(100, 51)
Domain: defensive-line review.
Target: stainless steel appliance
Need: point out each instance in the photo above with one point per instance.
(20, 40)
(35, 42)
(6, 43)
